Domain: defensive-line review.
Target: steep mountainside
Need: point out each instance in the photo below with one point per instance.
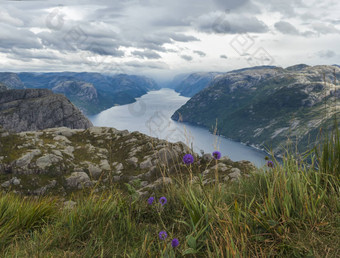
(103, 91)
(11, 80)
(37, 109)
(194, 83)
(262, 106)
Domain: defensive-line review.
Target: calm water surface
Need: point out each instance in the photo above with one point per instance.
(151, 115)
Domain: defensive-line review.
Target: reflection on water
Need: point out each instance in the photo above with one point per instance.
(151, 115)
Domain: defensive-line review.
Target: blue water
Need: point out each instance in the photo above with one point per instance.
(151, 115)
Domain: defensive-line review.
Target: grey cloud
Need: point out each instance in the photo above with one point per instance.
(16, 37)
(229, 24)
(326, 54)
(186, 57)
(200, 53)
(223, 57)
(286, 28)
(183, 38)
(146, 54)
(325, 28)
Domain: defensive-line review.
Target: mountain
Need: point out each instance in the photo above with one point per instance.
(37, 109)
(190, 84)
(262, 106)
(11, 80)
(92, 92)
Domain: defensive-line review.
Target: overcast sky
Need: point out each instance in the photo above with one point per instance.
(160, 38)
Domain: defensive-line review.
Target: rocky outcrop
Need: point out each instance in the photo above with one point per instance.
(64, 160)
(37, 109)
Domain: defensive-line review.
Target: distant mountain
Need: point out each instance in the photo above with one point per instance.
(11, 80)
(191, 84)
(92, 92)
(37, 109)
(262, 106)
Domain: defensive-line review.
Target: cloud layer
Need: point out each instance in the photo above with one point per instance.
(159, 37)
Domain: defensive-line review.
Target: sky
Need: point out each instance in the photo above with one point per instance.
(162, 38)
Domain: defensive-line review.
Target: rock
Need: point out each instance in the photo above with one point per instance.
(159, 183)
(42, 190)
(207, 157)
(236, 173)
(6, 184)
(26, 159)
(47, 160)
(94, 171)
(78, 180)
(119, 167)
(132, 161)
(37, 109)
(61, 139)
(104, 165)
(16, 181)
(167, 156)
(146, 164)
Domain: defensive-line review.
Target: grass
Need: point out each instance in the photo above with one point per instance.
(290, 210)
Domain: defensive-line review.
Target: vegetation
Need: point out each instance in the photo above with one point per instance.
(290, 209)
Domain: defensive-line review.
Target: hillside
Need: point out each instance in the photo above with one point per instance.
(37, 109)
(262, 106)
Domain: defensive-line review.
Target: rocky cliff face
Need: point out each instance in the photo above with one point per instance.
(3, 87)
(37, 109)
(262, 106)
(63, 160)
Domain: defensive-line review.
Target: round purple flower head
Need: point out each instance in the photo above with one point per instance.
(270, 164)
(174, 242)
(162, 200)
(150, 200)
(188, 159)
(216, 154)
(162, 235)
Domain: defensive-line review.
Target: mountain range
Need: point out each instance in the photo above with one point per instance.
(90, 92)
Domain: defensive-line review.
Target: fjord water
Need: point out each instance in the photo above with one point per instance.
(151, 115)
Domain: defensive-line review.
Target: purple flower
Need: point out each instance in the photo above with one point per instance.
(216, 154)
(150, 200)
(188, 159)
(162, 235)
(174, 242)
(163, 200)
(270, 164)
